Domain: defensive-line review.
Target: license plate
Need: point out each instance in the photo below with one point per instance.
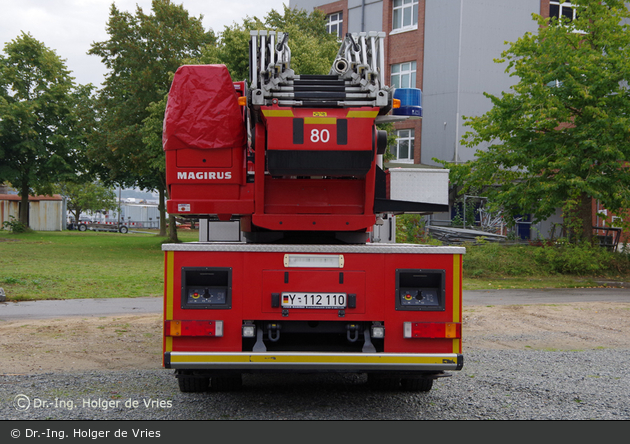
(314, 300)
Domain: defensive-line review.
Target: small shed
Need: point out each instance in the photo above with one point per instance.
(45, 213)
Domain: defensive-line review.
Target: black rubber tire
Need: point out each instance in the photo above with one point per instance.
(380, 382)
(123, 230)
(193, 384)
(82, 227)
(416, 384)
(227, 383)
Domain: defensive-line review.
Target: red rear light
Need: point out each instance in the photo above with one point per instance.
(450, 330)
(193, 328)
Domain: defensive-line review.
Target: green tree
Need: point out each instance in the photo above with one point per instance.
(308, 37)
(313, 49)
(142, 52)
(90, 196)
(39, 132)
(560, 138)
(152, 138)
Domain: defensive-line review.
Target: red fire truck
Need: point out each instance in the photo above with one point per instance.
(285, 172)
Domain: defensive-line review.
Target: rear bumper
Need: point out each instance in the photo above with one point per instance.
(356, 362)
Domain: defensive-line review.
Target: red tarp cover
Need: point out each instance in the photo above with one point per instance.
(203, 110)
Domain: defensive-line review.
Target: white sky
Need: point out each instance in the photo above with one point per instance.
(69, 27)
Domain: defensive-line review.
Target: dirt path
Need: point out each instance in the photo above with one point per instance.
(135, 341)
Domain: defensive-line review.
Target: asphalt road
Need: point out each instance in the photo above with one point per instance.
(119, 306)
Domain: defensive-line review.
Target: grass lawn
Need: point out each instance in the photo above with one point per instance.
(509, 283)
(72, 264)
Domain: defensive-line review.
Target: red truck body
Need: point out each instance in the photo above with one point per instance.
(295, 161)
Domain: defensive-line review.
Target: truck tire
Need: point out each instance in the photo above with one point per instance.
(82, 227)
(416, 384)
(381, 382)
(193, 384)
(227, 383)
(123, 229)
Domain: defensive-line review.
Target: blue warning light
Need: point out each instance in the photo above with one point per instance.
(410, 102)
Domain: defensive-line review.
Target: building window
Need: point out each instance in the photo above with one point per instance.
(405, 14)
(403, 150)
(334, 23)
(562, 9)
(404, 75)
(554, 84)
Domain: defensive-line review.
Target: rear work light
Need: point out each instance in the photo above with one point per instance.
(193, 328)
(449, 330)
(249, 330)
(378, 331)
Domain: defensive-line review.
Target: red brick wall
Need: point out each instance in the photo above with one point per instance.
(406, 47)
(331, 8)
(544, 8)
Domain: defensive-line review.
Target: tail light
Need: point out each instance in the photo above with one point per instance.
(449, 330)
(193, 328)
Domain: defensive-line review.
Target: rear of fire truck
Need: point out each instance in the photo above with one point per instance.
(291, 166)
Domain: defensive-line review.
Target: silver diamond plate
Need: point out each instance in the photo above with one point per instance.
(335, 249)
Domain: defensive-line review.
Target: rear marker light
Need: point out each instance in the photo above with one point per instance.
(450, 330)
(378, 331)
(193, 328)
(249, 330)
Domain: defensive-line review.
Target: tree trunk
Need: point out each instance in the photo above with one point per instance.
(77, 214)
(24, 192)
(172, 229)
(162, 208)
(585, 214)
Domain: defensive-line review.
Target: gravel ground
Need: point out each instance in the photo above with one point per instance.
(494, 384)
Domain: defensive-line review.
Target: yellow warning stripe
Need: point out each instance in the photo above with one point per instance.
(277, 112)
(320, 121)
(289, 113)
(362, 114)
(168, 282)
(307, 358)
(456, 295)
(170, 274)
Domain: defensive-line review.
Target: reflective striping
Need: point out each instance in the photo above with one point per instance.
(312, 358)
(289, 113)
(170, 275)
(168, 314)
(277, 113)
(320, 120)
(457, 261)
(456, 287)
(359, 362)
(362, 114)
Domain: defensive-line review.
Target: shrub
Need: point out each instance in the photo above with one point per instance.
(489, 259)
(497, 260)
(15, 225)
(410, 229)
(581, 259)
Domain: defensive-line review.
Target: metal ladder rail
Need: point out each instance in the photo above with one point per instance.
(273, 79)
